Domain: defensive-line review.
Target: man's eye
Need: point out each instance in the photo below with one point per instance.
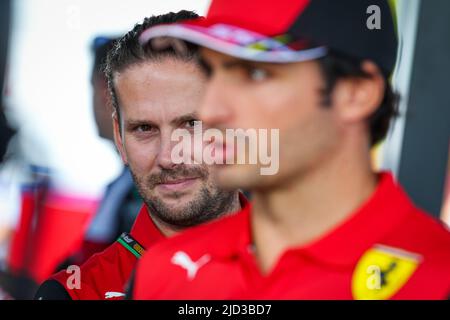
(193, 123)
(257, 74)
(143, 128)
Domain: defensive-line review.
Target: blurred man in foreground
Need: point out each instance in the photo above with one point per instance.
(323, 226)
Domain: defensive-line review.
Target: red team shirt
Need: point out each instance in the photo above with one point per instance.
(387, 249)
(105, 275)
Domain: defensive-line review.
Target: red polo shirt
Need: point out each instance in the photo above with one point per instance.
(387, 249)
(104, 275)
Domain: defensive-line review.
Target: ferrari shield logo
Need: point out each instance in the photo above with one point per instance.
(382, 271)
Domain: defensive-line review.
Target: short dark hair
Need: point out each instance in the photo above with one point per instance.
(336, 66)
(127, 51)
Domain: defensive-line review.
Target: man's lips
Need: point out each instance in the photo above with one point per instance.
(177, 184)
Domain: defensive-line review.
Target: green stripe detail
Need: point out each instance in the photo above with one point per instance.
(126, 245)
(393, 4)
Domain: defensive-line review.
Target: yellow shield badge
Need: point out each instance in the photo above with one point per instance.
(382, 271)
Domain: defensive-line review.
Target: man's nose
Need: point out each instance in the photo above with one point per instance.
(213, 109)
(164, 158)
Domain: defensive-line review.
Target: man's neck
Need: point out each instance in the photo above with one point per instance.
(305, 210)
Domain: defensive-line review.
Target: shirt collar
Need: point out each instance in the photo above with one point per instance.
(144, 229)
(380, 214)
(233, 233)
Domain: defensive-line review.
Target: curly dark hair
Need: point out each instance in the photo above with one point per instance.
(127, 51)
(336, 66)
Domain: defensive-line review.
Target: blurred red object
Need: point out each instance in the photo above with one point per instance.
(50, 229)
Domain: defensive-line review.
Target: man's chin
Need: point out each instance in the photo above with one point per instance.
(173, 204)
(232, 177)
(176, 198)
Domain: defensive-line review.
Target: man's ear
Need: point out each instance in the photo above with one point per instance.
(118, 139)
(358, 98)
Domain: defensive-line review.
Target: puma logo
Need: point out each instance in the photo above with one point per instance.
(181, 259)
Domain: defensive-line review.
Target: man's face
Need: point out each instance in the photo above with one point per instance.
(287, 97)
(156, 98)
